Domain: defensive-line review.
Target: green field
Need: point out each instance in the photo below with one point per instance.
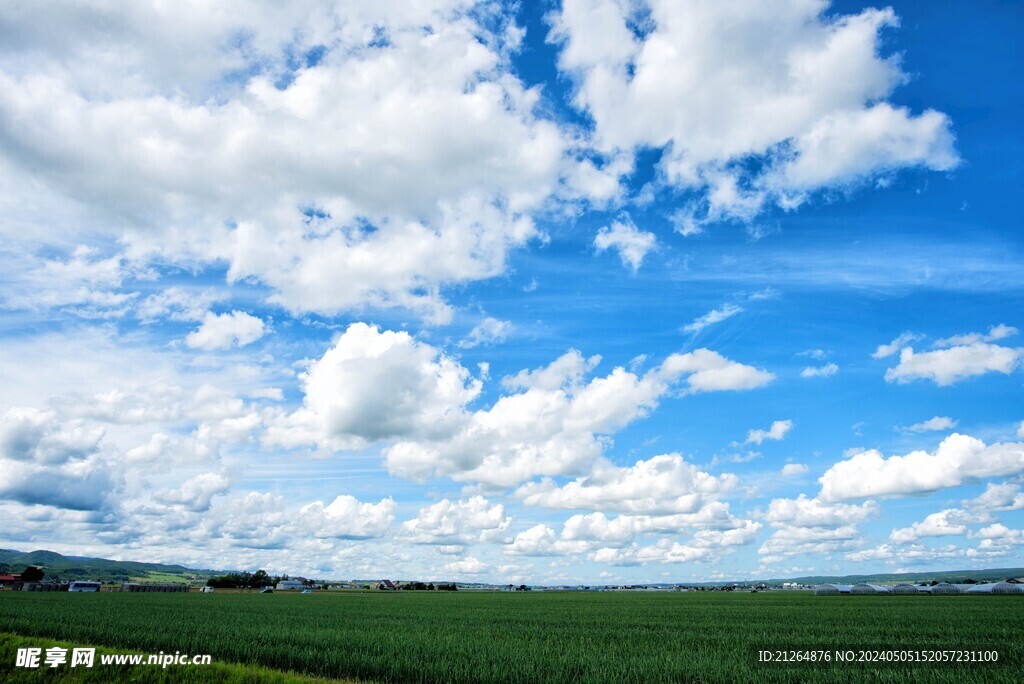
(532, 637)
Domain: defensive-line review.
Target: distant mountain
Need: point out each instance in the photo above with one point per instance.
(58, 566)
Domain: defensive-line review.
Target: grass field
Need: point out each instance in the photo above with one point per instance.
(532, 637)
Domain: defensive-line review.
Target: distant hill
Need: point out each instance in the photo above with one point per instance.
(58, 566)
(986, 575)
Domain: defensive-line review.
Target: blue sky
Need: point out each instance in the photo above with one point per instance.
(593, 291)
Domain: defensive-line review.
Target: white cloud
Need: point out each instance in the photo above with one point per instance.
(456, 523)
(712, 317)
(376, 174)
(347, 518)
(86, 284)
(711, 372)
(787, 84)
(177, 304)
(660, 485)
(995, 333)
(598, 527)
(468, 566)
(373, 385)
(952, 521)
(788, 540)
(951, 365)
(705, 545)
(936, 424)
(226, 330)
(776, 432)
(826, 371)
(1020, 430)
(886, 350)
(555, 424)
(488, 331)
(793, 469)
(1002, 532)
(541, 540)
(805, 512)
(631, 243)
(196, 493)
(959, 459)
(1004, 496)
(50, 461)
(909, 553)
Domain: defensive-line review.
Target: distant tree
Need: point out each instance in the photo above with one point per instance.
(32, 574)
(430, 587)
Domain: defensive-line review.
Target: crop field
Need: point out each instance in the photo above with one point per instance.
(529, 637)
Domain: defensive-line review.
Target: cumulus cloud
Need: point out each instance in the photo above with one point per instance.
(86, 283)
(712, 317)
(807, 512)
(466, 566)
(690, 79)
(948, 366)
(457, 523)
(994, 334)
(952, 521)
(554, 424)
(793, 469)
(936, 424)
(598, 527)
(374, 385)
(826, 371)
(177, 304)
(226, 330)
(294, 144)
(711, 372)
(1003, 496)
(48, 460)
(196, 493)
(790, 540)
(347, 518)
(488, 331)
(884, 351)
(705, 545)
(541, 540)
(959, 459)
(778, 430)
(631, 243)
(387, 386)
(662, 484)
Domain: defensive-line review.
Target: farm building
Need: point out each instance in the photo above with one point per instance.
(387, 585)
(904, 589)
(945, 588)
(997, 588)
(134, 587)
(85, 586)
(868, 589)
(832, 589)
(40, 586)
(10, 579)
(290, 585)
